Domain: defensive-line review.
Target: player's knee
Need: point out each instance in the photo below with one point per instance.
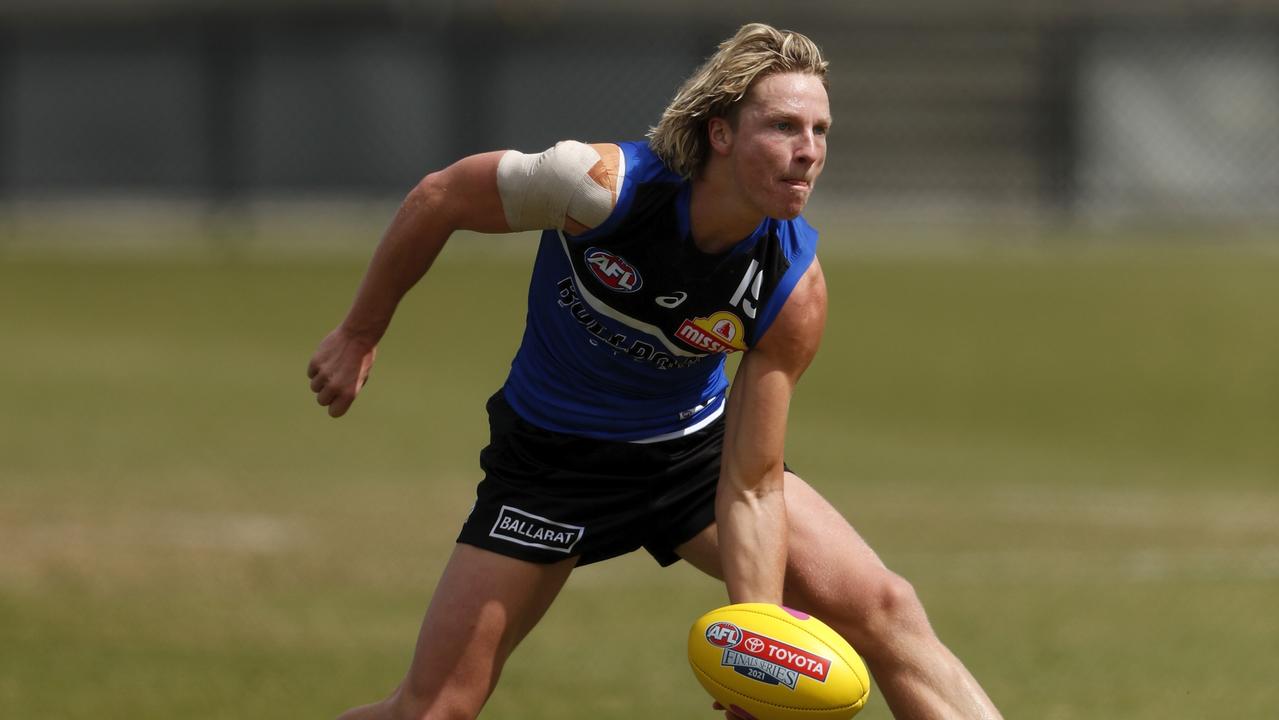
(416, 702)
(887, 611)
(895, 605)
(442, 710)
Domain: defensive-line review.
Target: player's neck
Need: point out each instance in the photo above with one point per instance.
(718, 216)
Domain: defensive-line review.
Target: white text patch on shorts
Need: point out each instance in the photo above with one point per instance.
(532, 530)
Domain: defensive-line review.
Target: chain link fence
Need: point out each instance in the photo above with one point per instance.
(1180, 121)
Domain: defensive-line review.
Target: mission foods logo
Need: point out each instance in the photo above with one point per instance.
(532, 530)
(764, 659)
(720, 333)
(613, 271)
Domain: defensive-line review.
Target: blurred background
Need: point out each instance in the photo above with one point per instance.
(1048, 392)
(1043, 112)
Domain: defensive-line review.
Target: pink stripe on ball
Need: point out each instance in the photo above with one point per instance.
(796, 613)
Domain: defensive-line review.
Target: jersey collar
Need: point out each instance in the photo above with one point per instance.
(685, 224)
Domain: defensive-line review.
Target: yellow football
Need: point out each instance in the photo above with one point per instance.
(772, 663)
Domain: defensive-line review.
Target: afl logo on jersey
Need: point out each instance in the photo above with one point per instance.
(613, 270)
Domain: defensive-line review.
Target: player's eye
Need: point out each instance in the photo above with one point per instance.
(782, 126)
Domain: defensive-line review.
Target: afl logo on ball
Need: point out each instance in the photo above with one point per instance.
(613, 271)
(723, 634)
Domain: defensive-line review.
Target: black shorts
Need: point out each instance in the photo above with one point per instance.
(547, 496)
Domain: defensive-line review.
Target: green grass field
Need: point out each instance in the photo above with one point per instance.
(1072, 453)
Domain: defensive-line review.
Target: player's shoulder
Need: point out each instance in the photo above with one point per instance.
(572, 186)
(630, 171)
(643, 165)
(790, 258)
(795, 332)
(797, 242)
(797, 234)
(617, 166)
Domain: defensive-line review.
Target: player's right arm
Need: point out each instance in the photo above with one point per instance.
(571, 186)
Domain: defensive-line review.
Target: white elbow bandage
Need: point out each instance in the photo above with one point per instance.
(541, 191)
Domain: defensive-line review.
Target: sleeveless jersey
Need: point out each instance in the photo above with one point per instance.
(629, 323)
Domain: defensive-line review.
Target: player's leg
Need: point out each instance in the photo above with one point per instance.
(483, 607)
(834, 575)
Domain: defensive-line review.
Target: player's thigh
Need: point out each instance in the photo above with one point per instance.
(827, 558)
(827, 561)
(484, 605)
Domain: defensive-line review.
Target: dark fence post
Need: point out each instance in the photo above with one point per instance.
(1059, 115)
(475, 53)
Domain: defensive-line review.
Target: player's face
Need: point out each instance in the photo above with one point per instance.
(779, 144)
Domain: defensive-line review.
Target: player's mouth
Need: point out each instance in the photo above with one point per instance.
(797, 183)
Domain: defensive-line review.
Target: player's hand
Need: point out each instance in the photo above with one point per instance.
(339, 369)
(728, 714)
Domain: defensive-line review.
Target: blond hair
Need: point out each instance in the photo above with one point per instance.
(715, 89)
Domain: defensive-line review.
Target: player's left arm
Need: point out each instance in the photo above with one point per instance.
(750, 505)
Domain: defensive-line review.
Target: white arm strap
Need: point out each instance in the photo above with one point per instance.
(540, 191)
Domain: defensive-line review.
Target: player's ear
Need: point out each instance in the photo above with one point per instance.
(720, 133)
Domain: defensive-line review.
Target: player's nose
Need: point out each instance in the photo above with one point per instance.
(806, 149)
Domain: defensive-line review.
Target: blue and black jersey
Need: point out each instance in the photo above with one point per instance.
(629, 323)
